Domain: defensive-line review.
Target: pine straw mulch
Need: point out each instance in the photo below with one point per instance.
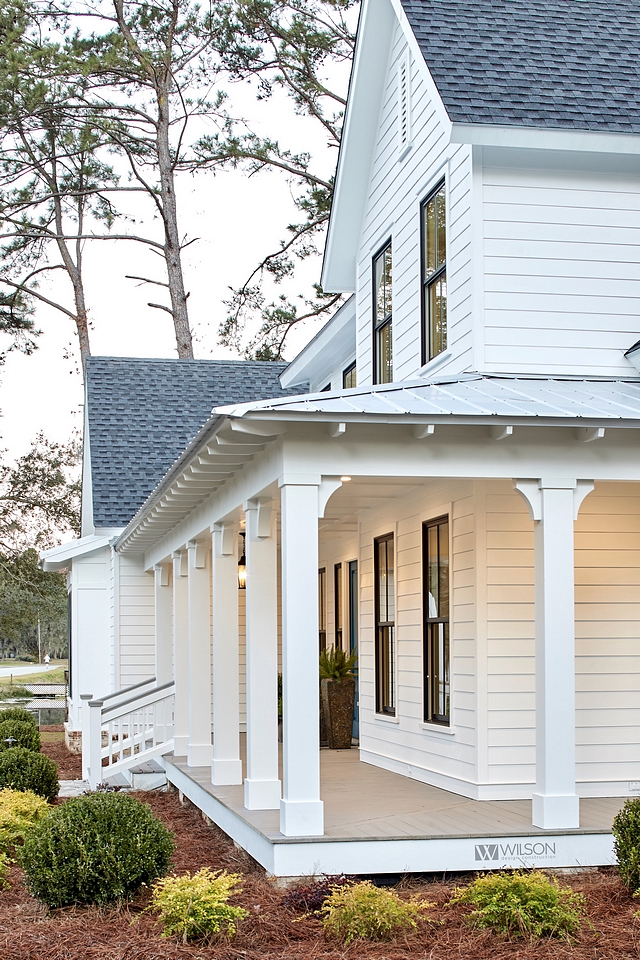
(69, 764)
(272, 932)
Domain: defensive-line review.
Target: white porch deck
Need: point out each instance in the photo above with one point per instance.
(380, 822)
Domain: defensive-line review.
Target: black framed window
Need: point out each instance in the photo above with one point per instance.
(385, 625)
(434, 274)
(437, 682)
(383, 315)
(349, 378)
(322, 608)
(337, 602)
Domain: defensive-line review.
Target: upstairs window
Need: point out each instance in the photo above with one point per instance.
(382, 316)
(349, 378)
(434, 274)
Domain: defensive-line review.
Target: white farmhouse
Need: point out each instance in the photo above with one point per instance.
(458, 495)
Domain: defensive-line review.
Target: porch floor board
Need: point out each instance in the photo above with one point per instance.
(364, 802)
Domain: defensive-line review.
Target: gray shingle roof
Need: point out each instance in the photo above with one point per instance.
(541, 63)
(143, 413)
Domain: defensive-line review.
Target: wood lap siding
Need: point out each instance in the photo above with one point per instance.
(438, 759)
(607, 577)
(510, 637)
(607, 544)
(395, 191)
(562, 274)
(137, 618)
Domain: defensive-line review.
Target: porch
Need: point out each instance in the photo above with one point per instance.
(376, 821)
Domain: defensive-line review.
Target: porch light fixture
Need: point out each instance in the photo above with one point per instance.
(345, 479)
(242, 566)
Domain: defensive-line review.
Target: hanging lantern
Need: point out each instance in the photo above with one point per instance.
(242, 567)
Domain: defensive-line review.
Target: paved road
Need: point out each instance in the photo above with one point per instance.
(20, 671)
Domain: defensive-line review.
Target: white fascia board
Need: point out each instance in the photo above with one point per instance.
(60, 557)
(334, 342)
(366, 89)
(545, 138)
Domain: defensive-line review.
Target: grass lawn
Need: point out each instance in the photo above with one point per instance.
(19, 680)
(272, 931)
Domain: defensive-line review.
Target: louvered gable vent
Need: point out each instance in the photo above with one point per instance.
(404, 105)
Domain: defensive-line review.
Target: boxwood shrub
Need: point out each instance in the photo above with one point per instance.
(18, 713)
(25, 735)
(626, 843)
(22, 769)
(98, 848)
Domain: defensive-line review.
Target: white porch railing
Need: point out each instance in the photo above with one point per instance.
(126, 728)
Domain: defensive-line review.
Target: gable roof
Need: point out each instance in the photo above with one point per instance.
(143, 413)
(538, 63)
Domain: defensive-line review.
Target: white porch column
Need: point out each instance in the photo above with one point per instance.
(199, 748)
(163, 623)
(180, 653)
(554, 505)
(262, 785)
(226, 766)
(301, 809)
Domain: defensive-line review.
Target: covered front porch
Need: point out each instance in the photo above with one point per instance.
(376, 821)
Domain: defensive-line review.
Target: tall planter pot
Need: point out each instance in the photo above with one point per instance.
(338, 697)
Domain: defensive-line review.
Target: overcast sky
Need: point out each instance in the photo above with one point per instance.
(237, 219)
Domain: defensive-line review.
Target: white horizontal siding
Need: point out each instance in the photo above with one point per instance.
(425, 753)
(562, 274)
(396, 188)
(136, 622)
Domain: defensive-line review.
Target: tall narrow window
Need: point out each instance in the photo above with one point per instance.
(322, 608)
(382, 316)
(337, 603)
(435, 545)
(385, 625)
(434, 274)
(349, 378)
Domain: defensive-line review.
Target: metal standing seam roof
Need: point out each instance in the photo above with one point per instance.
(468, 396)
(539, 63)
(142, 414)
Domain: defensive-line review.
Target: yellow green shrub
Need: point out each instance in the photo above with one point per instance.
(365, 912)
(19, 810)
(523, 905)
(194, 907)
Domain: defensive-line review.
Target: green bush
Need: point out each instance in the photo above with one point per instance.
(523, 904)
(24, 734)
(626, 843)
(15, 693)
(365, 912)
(98, 848)
(194, 907)
(22, 769)
(18, 713)
(5, 864)
(19, 810)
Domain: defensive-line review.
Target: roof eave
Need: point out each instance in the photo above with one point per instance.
(521, 136)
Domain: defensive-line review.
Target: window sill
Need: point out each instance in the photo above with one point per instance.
(385, 718)
(438, 729)
(434, 364)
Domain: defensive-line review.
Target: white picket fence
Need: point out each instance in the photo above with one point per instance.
(126, 728)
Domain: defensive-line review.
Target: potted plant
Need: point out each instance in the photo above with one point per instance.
(338, 688)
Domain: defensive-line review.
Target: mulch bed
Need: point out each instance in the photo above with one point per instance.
(69, 764)
(272, 932)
